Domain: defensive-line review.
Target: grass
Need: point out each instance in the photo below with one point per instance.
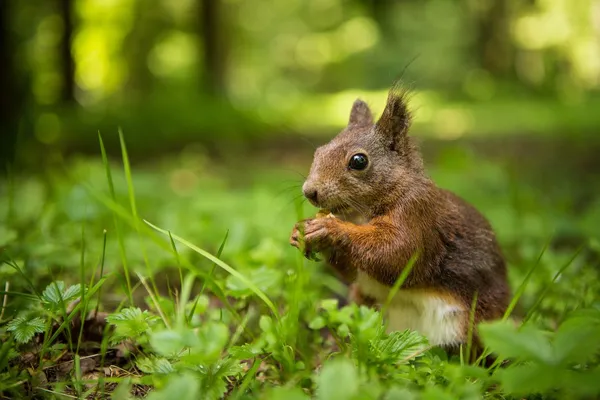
(176, 280)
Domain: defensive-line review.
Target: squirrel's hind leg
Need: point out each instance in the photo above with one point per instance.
(355, 295)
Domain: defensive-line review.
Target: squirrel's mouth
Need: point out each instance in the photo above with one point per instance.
(334, 208)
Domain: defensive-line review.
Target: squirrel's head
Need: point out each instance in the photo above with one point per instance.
(368, 165)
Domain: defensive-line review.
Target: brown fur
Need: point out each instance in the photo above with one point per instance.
(392, 211)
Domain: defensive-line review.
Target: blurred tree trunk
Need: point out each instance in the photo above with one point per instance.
(494, 45)
(214, 45)
(148, 26)
(379, 11)
(9, 99)
(67, 62)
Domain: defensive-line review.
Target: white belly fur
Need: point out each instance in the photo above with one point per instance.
(433, 315)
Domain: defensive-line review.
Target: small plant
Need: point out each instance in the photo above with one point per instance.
(565, 363)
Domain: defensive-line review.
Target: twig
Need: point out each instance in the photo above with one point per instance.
(153, 297)
(5, 301)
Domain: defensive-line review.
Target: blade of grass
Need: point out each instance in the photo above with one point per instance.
(471, 327)
(525, 282)
(4, 299)
(5, 349)
(19, 294)
(539, 299)
(155, 301)
(176, 259)
(132, 202)
(520, 290)
(248, 379)
(214, 265)
(174, 294)
(122, 213)
(77, 377)
(399, 282)
(32, 287)
(186, 290)
(120, 239)
(299, 297)
(259, 293)
(101, 271)
(82, 299)
(241, 327)
(210, 274)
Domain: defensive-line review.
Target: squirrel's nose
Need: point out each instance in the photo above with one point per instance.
(311, 194)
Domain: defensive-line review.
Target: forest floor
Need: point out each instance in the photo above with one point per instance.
(180, 269)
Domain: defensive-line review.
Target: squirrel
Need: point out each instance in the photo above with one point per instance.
(385, 212)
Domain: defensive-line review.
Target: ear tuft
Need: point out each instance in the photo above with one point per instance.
(360, 114)
(396, 118)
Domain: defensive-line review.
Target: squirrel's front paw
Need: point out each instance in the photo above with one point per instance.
(315, 234)
(295, 237)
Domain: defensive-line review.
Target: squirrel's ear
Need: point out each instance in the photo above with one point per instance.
(395, 120)
(360, 114)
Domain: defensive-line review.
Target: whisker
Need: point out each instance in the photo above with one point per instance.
(295, 171)
(355, 205)
(294, 199)
(287, 189)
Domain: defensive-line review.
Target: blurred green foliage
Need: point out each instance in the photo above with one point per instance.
(179, 71)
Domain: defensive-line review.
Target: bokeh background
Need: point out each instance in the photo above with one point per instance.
(221, 103)
(174, 72)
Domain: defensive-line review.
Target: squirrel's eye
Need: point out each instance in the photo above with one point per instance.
(358, 162)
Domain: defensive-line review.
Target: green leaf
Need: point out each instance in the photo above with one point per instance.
(265, 323)
(25, 329)
(576, 340)
(213, 339)
(526, 343)
(330, 305)
(131, 323)
(154, 365)
(528, 379)
(55, 294)
(317, 323)
(398, 346)
(180, 387)
(214, 378)
(343, 330)
(123, 390)
(245, 351)
(338, 380)
(368, 323)
(168, 342)
(585, 384)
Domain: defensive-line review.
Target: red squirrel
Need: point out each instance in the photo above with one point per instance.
(385, 210)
